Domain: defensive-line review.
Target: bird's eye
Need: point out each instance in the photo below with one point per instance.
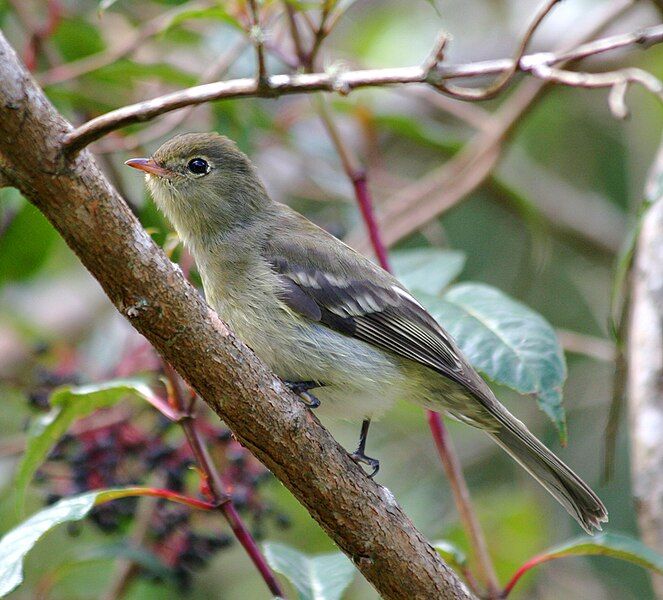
(198, 166)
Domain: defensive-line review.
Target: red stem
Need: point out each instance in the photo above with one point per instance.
(366, 207)
(461, 493)
(222, 500)
(447, 453)
(532, 562)
(175, 497)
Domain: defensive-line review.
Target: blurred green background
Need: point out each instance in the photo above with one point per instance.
(547, 230)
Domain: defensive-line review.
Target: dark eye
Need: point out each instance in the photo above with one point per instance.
(198, 166)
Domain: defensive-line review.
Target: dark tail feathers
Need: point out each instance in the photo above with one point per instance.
(566, 487)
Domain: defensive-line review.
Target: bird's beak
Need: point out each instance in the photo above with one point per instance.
(149, 165)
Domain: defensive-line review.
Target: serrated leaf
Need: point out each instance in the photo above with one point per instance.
(507, 341)
(428, 270)
(322, 577)
(614, 545)
(16, 543)
(451, 554)
(69, 404)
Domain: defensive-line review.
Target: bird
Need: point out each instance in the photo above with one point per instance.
(324, 317)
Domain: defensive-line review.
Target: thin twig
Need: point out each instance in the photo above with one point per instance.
(618, 81)
(126, 569)
(294, 32)
(257, 36)
(445, 186)
(448, 455)
(320, 34)
(218, 69)
(87, 64)
(587, 345)
(463, 501)
(333, 81)
(464, 93)
(215, 483)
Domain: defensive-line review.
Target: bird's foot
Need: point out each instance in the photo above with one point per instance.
(373, 463)
(302, 389)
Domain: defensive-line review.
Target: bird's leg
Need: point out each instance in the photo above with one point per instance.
(301, 388)
(359, 455)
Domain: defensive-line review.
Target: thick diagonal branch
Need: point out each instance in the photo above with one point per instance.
(362, 517)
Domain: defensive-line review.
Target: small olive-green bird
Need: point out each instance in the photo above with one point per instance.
(323, 316)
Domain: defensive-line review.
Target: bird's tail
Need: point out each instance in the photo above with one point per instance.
(565, 486)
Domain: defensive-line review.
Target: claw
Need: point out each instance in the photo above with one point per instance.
(359, 457)
(301, 388)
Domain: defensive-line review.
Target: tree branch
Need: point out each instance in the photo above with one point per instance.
(362, 517)
(417, 204)
(342, 82)
(645, 370)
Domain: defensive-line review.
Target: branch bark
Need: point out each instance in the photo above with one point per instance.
(362, 517)
(645, 371)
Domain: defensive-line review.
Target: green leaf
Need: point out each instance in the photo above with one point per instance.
(610, 544)
(451, 554)
(25, 245)
(606, 544)
(15, 544)
(322, 577)
(126, 71)
(216, 13)
(68, 404)
(427, 270)
(507, 341)
(76, 38)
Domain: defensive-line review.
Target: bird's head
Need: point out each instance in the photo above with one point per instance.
(203, 183)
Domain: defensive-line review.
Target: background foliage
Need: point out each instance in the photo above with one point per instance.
(568, 156)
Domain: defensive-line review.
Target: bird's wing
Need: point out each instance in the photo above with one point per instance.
(348, 293)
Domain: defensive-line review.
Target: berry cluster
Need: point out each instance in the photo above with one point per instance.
(129, 445)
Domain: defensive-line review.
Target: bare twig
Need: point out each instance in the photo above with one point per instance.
(321, 32)
(214, 481)
(37, 33)
(588, 345)
(126, 569)
(218, 69)
(361, 517)
(444, 187)
(618, 82)
(333, 81)
(257, 36)
(77, 68)
(294, 33)
(464, 93)
(448, 456)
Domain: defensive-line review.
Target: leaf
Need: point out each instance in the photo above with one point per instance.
(507, 341)
(610, 544)
(605, 544)
(322, 577)
(16, 543)
(68, 404)
(452, 555)
(76, 38)
(427, 270)
(217, 13)
(25, 245)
